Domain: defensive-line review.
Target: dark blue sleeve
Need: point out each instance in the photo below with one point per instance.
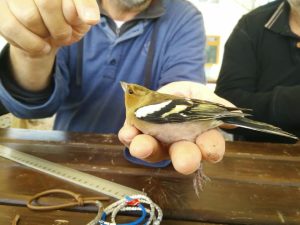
(41, 105)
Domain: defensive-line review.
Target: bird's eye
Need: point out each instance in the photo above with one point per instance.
(130, 91)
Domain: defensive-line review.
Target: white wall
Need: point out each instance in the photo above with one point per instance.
(220, 17)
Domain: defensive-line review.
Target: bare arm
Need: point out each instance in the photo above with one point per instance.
(31, 73)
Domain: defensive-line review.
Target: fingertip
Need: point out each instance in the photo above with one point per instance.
(212, 145)
(143, 146)
(147, 148)
(186, 157)
(127, 133)
(91, 17)
(88, 11)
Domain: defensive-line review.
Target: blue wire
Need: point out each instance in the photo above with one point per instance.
(136, 222)
(103, 217)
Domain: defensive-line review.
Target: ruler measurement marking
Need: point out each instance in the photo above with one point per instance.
(77, 177)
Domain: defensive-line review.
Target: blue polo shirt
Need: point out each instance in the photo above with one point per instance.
(97, 104)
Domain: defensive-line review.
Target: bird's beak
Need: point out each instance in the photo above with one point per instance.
(124, 85)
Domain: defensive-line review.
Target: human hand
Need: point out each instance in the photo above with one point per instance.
(38, 26)
(186, 156)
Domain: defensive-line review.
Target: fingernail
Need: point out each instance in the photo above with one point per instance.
(46, 49)
(91, 15)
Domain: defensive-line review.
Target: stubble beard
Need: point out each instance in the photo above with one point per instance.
(128, 5)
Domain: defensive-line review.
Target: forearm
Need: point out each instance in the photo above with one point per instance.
(33, 104)
(31, 73)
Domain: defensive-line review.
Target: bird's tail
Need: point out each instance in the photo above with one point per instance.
(259, 126)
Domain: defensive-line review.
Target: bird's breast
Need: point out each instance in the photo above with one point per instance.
(172, 132)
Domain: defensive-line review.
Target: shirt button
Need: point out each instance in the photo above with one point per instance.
(113, 62)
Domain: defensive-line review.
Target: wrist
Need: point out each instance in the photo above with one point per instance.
(31, 58)
(31, 72)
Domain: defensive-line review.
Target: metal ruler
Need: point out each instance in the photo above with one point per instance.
(74, 176)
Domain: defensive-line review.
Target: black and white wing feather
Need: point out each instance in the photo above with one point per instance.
(183, 110)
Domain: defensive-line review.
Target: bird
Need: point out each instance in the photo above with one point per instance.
(159, 115)
(170, 118)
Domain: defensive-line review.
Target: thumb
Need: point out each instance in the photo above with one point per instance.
(88, 11)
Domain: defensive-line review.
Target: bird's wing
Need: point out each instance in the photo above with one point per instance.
(183, 110)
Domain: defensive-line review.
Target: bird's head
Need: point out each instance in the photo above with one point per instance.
(135, 95)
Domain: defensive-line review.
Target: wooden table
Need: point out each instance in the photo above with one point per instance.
(254, 184)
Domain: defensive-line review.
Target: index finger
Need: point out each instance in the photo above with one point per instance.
(88, 11)
(147, 148)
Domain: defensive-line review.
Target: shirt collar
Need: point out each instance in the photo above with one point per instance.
(155, 10)
(279, 21)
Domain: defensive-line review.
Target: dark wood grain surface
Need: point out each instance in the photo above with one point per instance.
(256, 183)
(27, 217)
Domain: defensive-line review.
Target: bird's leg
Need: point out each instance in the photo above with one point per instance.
(199, 180)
